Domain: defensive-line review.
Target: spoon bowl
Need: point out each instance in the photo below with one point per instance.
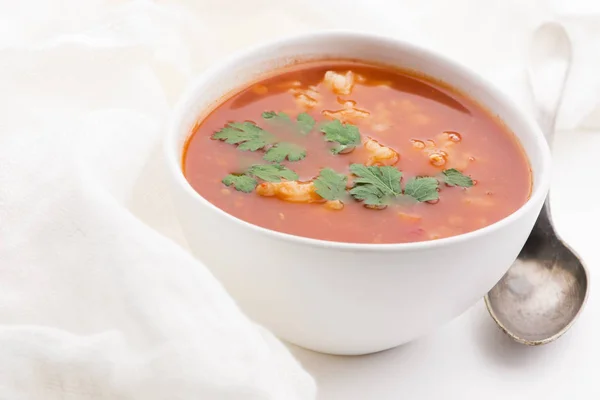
(544, 291)
(542, 294)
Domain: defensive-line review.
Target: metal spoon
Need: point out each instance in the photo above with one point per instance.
(543, 292)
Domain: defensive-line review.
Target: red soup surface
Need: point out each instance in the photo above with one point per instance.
(353, 152)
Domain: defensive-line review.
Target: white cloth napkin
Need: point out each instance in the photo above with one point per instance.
(98, 297)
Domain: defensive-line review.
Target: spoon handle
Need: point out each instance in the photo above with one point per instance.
(550, 58)
(548, 70)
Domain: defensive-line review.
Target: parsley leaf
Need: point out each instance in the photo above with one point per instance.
(272, 172)
(267, 172)
(243, 183)
(346, 135)
(374, 185)
(422, 188)
(367, 195)
(276, 117)
(454, 177)
(246, 135)
(283, 150)
(305, 123)
(377, 185)
(330, 185)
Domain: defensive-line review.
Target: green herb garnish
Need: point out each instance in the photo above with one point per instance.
(272, 172)
(330, 185)
(243, 183)
(379, 185)
(454, 177)
(422, 188)
(280, 151)
(246, 135)
(305, 123)
(346, 135)
(276, 116)
(247, 182)
(375, 185)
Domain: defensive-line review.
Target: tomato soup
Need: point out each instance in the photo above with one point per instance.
(352, 152)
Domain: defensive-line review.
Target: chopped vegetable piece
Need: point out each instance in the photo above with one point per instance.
(437, 159)
(380, 154)
(292, 191)
(409, 217)
(339, 83)
(349, 114)
(334, 205)
(306, 98)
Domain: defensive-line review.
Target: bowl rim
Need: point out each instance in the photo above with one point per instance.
(173, 134)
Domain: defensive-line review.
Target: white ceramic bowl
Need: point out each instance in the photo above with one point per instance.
(344, 298)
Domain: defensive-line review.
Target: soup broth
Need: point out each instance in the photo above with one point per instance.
(352, 152)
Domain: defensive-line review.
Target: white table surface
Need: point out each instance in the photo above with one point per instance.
(470, 358)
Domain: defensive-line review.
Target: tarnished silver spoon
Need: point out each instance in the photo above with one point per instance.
(543, 292)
